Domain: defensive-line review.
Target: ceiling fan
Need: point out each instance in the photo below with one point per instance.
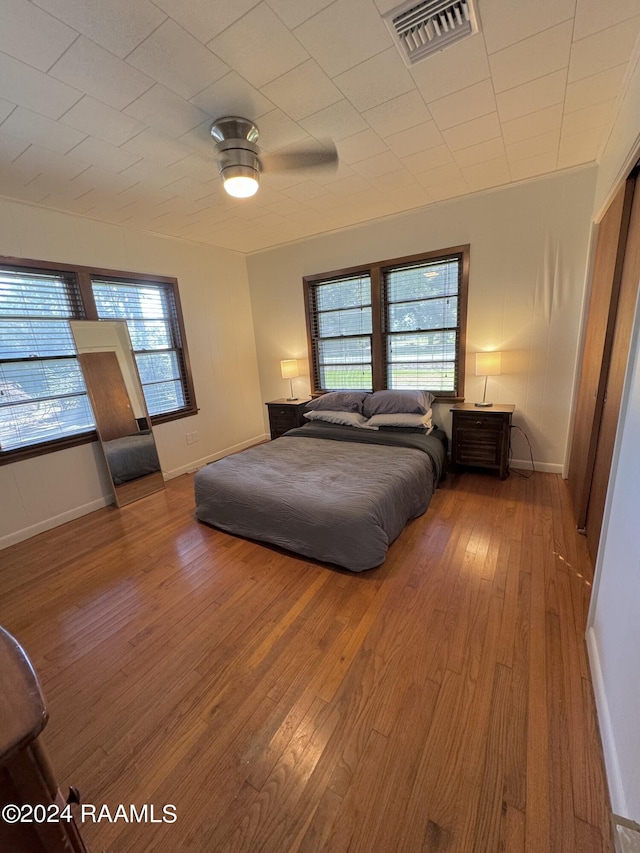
(240, 161)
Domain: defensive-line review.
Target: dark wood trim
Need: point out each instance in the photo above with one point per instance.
(343, 273)
(33, 450)
(83, 276)
(376, 272)
(463, 298)
(378, 354)
(54, 266)
(86, 294)
(392, 262)
(192, 409)
(313, 366)
(172, 416)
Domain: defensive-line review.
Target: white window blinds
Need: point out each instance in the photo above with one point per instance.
(42, 392)
(150, 312)
(342, 329)
(422, 325)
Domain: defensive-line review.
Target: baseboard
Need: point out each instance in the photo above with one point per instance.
(54, 521)
(612, 767)
(213, 457)
(544, 467)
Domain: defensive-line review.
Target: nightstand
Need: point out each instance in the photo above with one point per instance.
(480, 437)
(286, 414)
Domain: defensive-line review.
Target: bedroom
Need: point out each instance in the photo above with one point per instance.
(242, 302)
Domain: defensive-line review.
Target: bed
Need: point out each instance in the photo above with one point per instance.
(337, 493)
(131, 456)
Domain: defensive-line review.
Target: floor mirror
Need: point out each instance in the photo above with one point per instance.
(117, 399)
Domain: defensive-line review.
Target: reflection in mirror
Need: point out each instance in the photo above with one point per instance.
(119, 408)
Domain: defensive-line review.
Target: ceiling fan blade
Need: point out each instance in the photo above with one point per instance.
(299, 158)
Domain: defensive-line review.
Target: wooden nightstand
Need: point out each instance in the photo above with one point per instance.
(286, 414)
(480, 437)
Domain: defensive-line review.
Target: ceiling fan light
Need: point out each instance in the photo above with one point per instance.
(240, 181)
(241, 187)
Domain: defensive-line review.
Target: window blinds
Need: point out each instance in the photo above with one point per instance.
(341, 330)
(42, 392)
(422, 325)
(150, 311)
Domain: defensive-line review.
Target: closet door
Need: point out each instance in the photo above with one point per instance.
(601, 319)
(615, 379)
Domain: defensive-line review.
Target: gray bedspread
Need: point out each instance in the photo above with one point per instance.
(131, 456)
(340, 498)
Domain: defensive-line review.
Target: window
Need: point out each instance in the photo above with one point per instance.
(421, 325)
(343, 332)
(151, 317)
(393, 324)
(42, 393)
(43, 400)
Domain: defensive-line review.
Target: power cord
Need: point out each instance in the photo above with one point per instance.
(533, 467)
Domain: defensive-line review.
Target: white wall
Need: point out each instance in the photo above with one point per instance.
(529, 246)
(614, 625)
(38, 493)
(614, 619)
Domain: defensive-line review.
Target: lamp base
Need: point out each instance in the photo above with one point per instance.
(291, 399)
(483, 405)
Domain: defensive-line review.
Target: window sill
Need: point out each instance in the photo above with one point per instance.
(33, 450)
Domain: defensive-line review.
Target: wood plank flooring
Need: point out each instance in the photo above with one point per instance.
(441, 702)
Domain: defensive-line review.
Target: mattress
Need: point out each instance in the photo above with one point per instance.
(337, 494)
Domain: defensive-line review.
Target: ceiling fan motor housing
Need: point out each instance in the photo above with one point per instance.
(236, 147)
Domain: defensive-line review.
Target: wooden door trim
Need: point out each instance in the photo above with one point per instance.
(583, 509)
(605, 286)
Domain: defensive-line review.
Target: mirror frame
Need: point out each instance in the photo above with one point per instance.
(109, 428)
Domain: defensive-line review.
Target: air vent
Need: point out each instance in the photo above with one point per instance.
(420, 29)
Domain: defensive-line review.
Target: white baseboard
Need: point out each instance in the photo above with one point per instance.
(213, 457)
(544, 467)
(54, 521)
(76, 512)
(612, 767)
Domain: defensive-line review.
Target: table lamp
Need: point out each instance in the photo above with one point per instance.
(289, 370)
(487, 364)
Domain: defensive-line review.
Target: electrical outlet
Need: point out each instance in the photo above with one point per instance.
(189, 438)
(194, 437)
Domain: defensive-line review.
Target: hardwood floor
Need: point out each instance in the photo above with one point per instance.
(441, 702)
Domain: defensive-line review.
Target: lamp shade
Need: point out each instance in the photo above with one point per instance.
(488, 363)
(289, 368)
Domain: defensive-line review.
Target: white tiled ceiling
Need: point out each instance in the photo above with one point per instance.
(106, 105)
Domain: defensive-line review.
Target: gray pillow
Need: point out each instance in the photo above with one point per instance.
(391, 402)
(339, 401)
(354, 419)
(402, 419)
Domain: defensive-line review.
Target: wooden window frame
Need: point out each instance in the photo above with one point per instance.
(83, 276)
(379, 312)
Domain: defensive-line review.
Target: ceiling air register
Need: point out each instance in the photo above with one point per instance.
(421, 29)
